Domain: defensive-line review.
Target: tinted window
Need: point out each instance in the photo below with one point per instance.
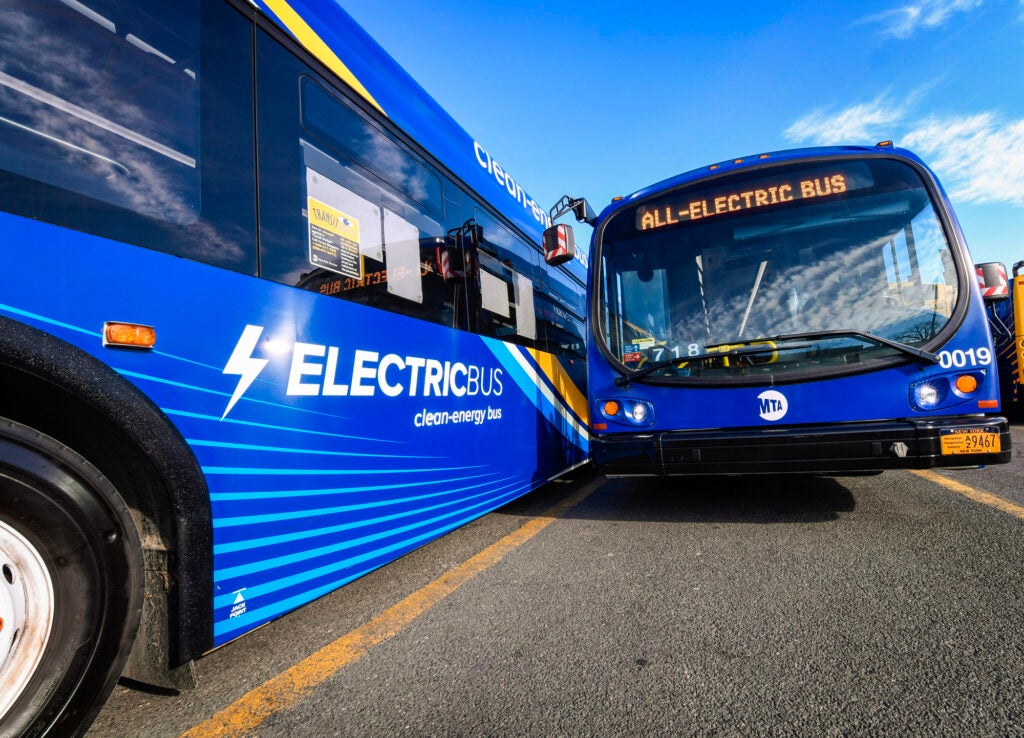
(342, 205)
(131, 120)
(506, 282)
(563, 335)
(325, 114)
(567, 290)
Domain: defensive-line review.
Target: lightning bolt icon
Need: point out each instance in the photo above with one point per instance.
(242, 364)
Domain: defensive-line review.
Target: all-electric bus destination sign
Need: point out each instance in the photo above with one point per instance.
(798, 186)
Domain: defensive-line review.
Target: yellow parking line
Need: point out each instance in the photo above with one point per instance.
(292, 686)
(978, 496)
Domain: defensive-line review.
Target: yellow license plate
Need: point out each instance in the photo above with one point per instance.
(970, 441)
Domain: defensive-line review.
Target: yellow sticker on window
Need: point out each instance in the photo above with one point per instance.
(334, 240)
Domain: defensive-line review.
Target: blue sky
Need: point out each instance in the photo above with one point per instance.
(599, 99)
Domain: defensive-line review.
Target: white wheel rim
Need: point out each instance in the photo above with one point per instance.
(26, 607)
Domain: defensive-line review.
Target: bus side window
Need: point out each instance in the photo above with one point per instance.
(346, 210)
(503, 296)
(150, 144)
(562, 334)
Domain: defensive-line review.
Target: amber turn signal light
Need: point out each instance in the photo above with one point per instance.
(966, 384)
(130, 335)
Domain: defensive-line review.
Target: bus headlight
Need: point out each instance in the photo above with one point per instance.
(628, 411)
(929, 394)
(926, 395)
(639, 413)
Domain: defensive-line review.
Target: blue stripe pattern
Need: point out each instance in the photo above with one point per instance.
(310, 492)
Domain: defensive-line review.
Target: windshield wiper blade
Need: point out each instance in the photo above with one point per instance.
(851, 333)
(747, 347)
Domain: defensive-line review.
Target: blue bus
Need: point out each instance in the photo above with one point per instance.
(269, 319)
(811, 310)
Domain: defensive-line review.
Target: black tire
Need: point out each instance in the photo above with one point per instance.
(56, 507)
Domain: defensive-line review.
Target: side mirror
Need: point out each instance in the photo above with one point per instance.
(992, 281)
(559, 244)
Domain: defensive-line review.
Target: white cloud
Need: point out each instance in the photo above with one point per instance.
(862, 123)
(904, 21)
(979, 157)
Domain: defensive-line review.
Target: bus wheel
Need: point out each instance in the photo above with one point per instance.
(71, 579)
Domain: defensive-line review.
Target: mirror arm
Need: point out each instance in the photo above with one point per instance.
(578, 206)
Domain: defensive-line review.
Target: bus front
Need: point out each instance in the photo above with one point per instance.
(811, 310)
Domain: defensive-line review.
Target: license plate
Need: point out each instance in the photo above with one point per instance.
(970, 441)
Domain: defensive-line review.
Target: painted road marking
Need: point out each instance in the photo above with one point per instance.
(292, 686)
(977, 495)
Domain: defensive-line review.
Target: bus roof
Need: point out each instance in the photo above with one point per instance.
(333, 37)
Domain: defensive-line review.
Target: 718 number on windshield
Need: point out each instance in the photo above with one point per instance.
(675, 352)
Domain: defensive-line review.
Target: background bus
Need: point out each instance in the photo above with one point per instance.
(269, 319)
(1005, 296)
(810, 310)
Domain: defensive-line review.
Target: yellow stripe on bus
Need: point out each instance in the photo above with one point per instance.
(316, 46)
(565, 387)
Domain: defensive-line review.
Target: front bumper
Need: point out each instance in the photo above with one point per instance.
(869, 446)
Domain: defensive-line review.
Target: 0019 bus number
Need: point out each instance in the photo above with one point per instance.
(980, 356)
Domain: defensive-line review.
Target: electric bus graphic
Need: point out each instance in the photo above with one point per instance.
(269, 319)
(811, 310)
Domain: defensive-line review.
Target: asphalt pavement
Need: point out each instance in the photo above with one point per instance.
(746, 606)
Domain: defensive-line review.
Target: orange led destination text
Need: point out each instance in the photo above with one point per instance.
(731, 202)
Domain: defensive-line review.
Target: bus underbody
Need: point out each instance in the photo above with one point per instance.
(833, 448)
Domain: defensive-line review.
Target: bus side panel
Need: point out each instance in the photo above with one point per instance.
(333, 437)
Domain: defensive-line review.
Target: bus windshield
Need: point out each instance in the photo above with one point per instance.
(798, 264)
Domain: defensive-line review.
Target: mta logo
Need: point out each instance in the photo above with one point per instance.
(772, 405)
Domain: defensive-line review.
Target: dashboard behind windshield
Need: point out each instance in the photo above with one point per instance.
(840, 245)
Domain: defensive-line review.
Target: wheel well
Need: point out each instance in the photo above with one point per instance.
(58, 413)
(65, 393)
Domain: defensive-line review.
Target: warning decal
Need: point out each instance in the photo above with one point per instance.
(334, 240)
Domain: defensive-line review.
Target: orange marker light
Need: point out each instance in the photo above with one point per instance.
(129, 335)
(611, 407)
(966, 384)
(600, 426)
(988, 404)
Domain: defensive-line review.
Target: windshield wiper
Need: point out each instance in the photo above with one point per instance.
(746, 348)
(733, 352)
(903, 348)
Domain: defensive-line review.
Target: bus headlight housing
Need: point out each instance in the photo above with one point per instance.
(947, 390)
(628, 411)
